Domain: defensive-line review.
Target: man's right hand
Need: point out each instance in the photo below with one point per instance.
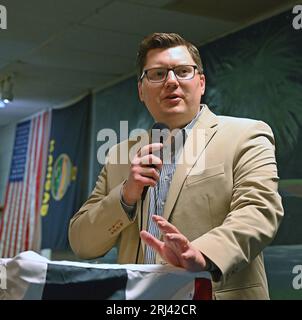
(144, 171)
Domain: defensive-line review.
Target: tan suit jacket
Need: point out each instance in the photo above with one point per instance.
(223, 198)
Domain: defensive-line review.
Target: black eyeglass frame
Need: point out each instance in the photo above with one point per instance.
(145, 73)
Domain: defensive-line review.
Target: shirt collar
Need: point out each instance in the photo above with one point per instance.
(190, 125)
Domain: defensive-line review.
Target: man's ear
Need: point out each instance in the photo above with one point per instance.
(202, 83)
(140, 91)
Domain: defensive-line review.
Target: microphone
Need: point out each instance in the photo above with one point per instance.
(159, 133)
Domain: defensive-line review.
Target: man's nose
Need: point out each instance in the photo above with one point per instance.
(171, 79)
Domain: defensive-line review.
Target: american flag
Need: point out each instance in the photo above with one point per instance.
(30, 276)
(20, 223)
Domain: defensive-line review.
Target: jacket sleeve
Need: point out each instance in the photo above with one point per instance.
(255, 209)
(96, 227)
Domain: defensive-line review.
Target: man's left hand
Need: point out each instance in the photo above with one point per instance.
(175, 248)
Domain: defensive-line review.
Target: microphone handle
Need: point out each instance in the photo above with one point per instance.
(144, 193)
(161, 140)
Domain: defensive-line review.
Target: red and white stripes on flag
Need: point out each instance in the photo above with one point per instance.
(20, 223)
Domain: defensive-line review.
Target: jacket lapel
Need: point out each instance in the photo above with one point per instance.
(197, 140)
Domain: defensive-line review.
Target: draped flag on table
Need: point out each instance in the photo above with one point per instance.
(65, 173)
(20, 223)
(31, 276)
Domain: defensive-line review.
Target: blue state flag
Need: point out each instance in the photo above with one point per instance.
(65, 181)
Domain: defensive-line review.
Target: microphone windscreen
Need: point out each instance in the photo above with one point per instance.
(159, 132)
(160, 126)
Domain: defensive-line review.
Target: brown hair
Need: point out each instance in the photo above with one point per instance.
(164, 41)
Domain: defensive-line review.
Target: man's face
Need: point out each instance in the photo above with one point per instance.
(173, 102)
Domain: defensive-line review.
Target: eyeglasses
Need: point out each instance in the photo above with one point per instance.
(183, 72)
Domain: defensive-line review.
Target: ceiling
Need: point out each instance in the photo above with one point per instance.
(59, 50)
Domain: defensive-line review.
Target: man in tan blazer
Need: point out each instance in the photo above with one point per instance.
(221, 206)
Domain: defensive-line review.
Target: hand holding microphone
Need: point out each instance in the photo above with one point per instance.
(145, 167)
